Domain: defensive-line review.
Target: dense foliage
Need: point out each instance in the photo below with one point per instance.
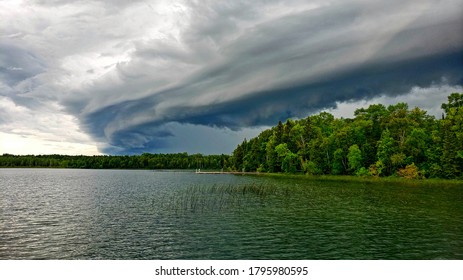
(378, 141)
(144, 161)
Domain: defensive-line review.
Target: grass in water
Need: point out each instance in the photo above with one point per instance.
(220, 197)
(290, 189)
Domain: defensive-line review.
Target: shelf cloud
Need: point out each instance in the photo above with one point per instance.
(198, 76)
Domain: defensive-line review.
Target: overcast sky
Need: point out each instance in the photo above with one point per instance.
(125, 77)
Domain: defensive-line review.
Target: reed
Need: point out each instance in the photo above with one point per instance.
(220, 197)
(237, 197)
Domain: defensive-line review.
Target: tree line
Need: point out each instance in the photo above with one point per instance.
(378, 141)
(144, 161)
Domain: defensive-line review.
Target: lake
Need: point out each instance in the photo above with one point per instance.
(125, 214)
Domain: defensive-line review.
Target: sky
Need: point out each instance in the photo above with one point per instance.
(129, 77)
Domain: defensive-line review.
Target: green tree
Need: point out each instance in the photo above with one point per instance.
(455, 100)
(416, 144)
(339, 162)
(354, 157)
(287, 158)
(271, 158)
(398, 160)
(452, 136)
(238, 156)
(385, 151)
(311, 168)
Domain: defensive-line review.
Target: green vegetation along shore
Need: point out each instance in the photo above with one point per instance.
(379, 141)
(144, 161)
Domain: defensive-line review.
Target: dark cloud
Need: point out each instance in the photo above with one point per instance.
(223, 67)
(268, 107)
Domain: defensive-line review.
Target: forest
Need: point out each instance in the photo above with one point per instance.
(378, 141)
(144, 161)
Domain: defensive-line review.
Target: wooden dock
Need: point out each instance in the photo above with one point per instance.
(227, 172)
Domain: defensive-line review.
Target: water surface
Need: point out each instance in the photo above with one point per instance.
(121, 214)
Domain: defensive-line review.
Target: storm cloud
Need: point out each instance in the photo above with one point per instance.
(141, 76)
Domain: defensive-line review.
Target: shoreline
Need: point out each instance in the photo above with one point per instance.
(334, 178)
(343, 178)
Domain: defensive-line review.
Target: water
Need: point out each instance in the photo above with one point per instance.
(119, 214)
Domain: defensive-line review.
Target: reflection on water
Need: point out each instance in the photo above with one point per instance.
(109, 214)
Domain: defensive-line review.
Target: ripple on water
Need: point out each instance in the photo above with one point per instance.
(104, 214)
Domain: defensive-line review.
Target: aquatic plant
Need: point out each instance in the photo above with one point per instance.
(219, 197)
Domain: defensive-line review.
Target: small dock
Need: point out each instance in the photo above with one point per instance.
(227, 172)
